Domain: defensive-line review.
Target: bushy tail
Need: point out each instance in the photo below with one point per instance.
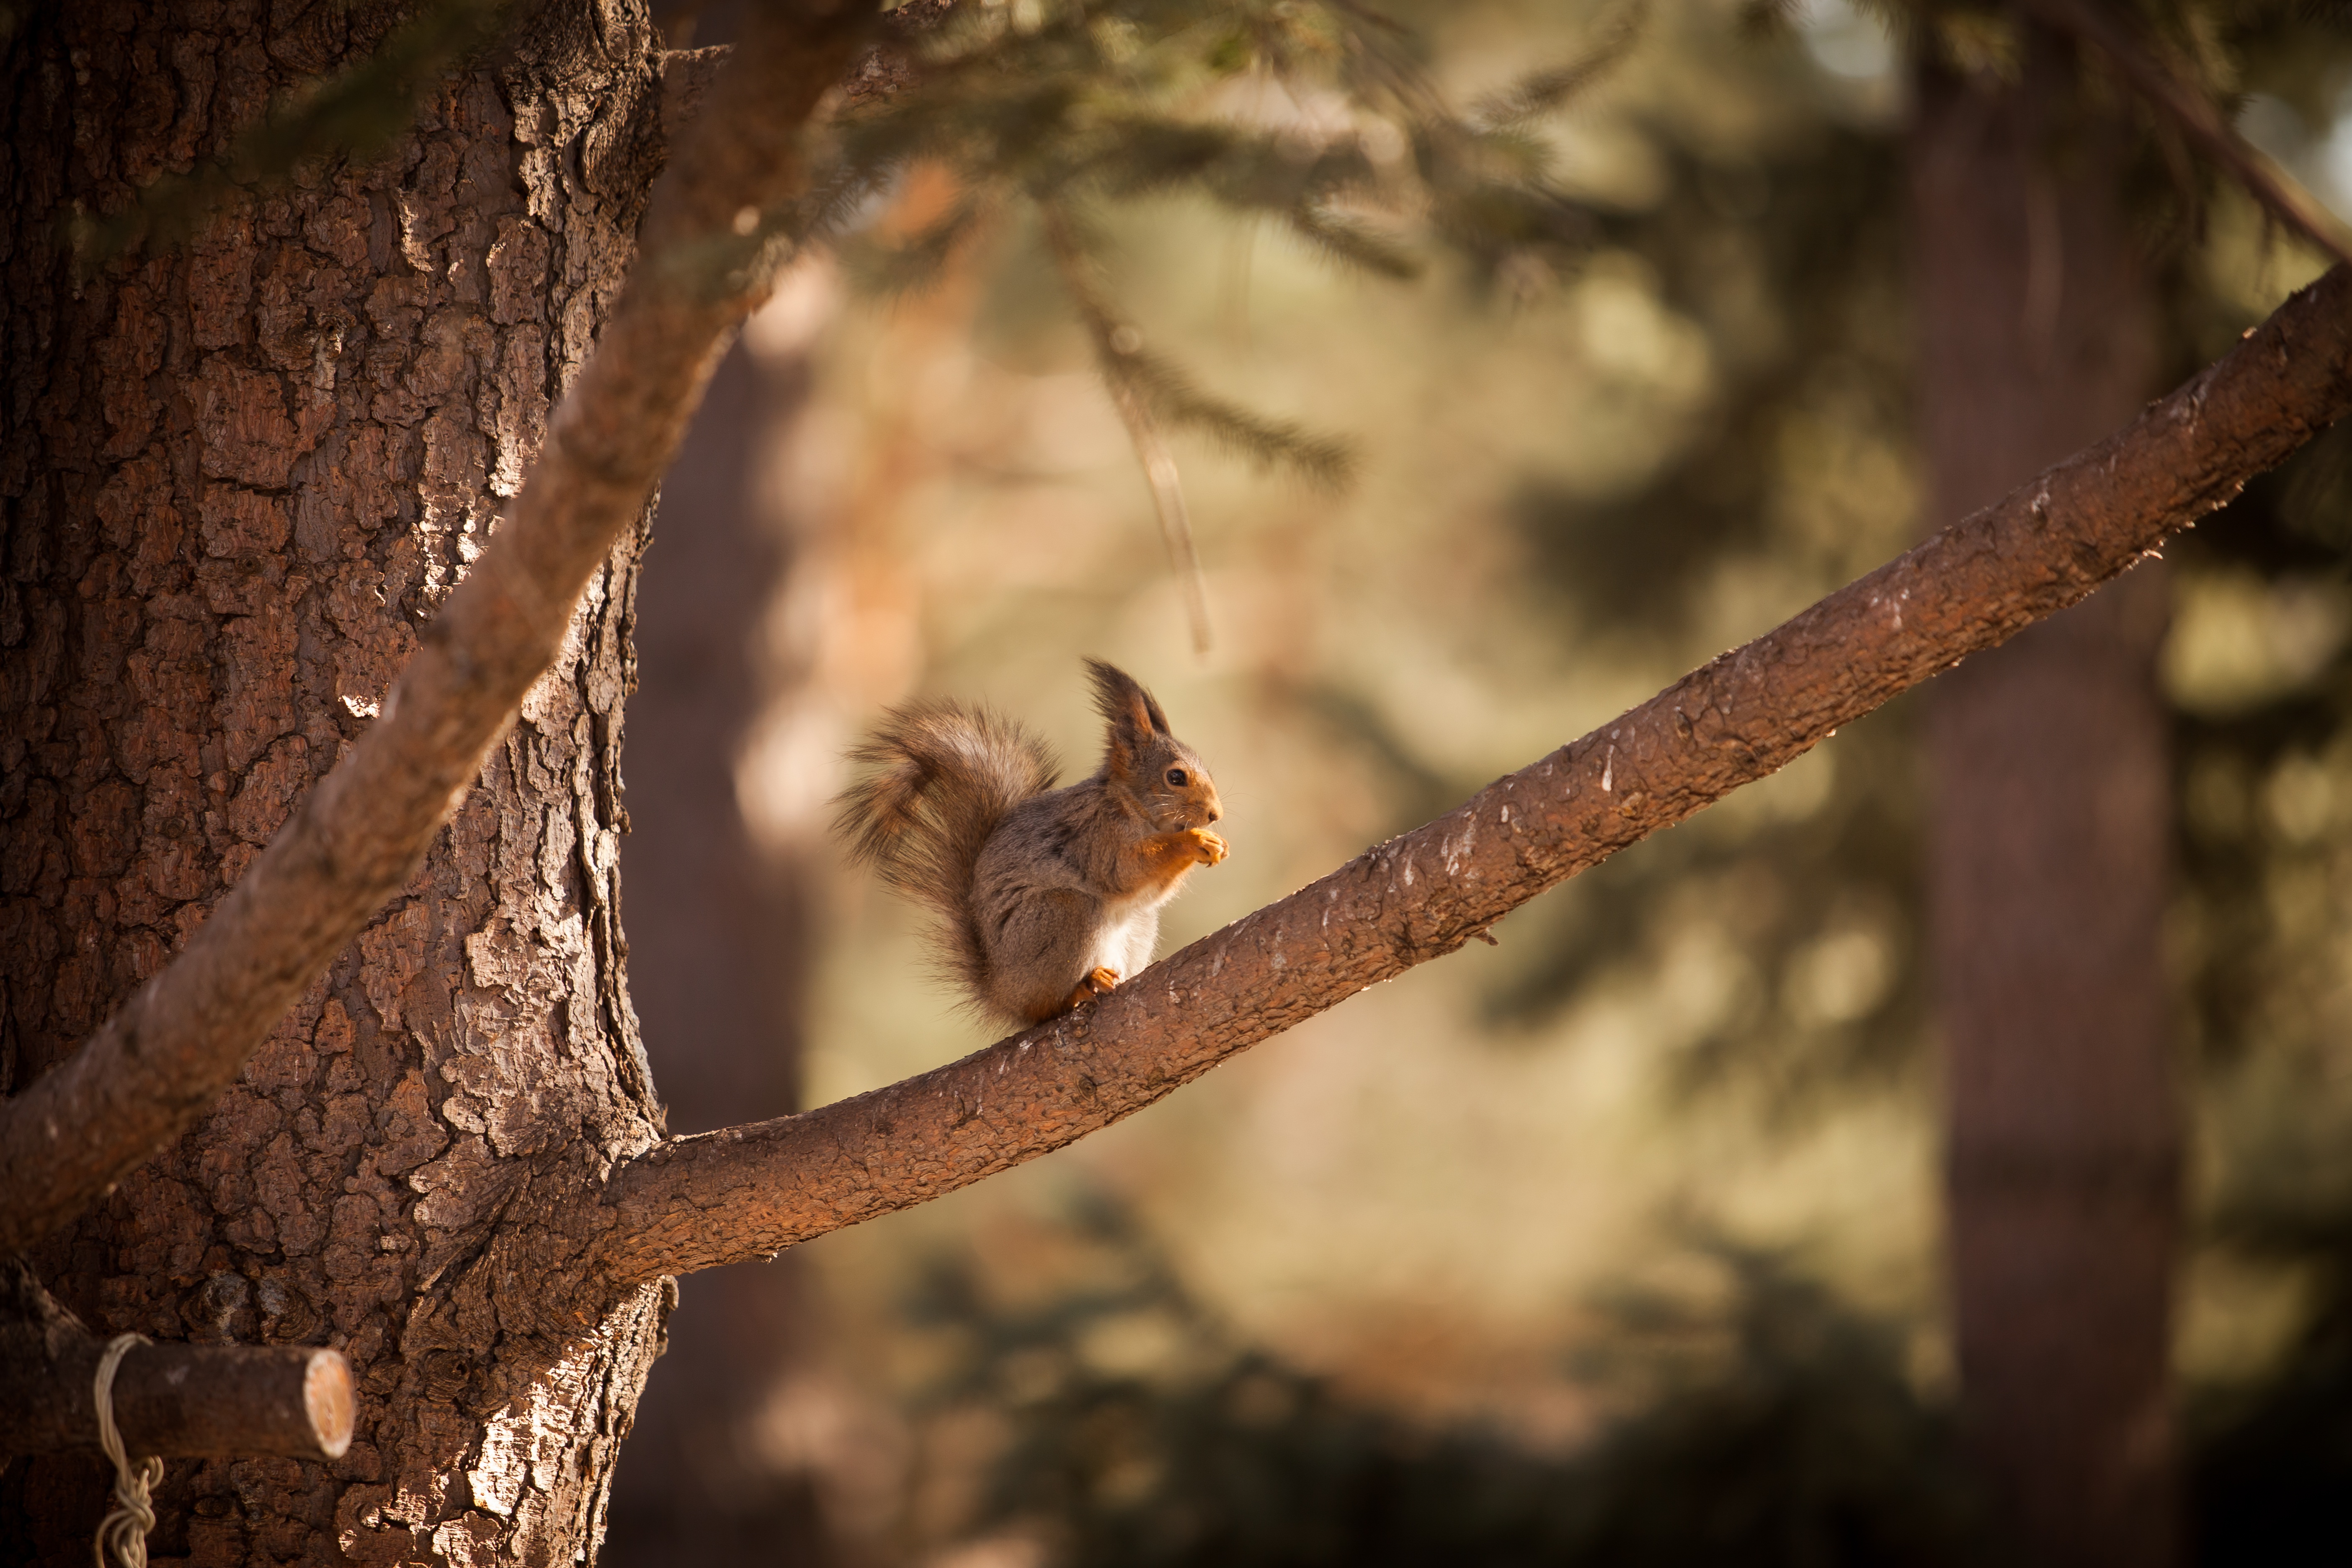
(941, 777)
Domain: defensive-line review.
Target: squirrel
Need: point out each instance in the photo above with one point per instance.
(1044, 898)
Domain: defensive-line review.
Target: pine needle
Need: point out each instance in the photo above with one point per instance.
(916, 264)
(1544, 93)
(1159, 471)
(2168, 91)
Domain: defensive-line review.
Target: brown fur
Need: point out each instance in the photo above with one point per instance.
(944, 775)
(1040, 892)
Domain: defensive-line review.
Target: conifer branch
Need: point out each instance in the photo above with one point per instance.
(1116, 342)
(2179, 101)
(1347, 243)
(1164, 391)
(916, 263)
(746, 1192)
(1548, 91)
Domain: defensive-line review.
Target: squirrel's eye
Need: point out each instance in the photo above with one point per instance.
(1176, 777)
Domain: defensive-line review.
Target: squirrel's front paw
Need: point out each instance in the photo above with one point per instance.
(1206, 844)
(1099, 981)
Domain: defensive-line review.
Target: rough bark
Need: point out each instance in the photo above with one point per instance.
(2049, 842)
(241, 485)
(709, 240)
(698, 1202)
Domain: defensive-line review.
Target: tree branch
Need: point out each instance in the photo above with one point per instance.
(746, 1192)
(166, 1055)
(2180, 100)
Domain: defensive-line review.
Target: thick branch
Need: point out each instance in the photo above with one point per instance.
(173, 1399)
(167, 1054)
(745, 1192)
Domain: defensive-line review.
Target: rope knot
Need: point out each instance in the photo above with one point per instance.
(124, 1530)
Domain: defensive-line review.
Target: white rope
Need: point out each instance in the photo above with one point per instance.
(126, 1524)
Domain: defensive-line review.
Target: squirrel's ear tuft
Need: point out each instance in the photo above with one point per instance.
(1130, 711)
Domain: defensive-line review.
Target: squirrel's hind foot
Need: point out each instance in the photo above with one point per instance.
(1099, 981)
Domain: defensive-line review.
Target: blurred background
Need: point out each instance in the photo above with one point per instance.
(1624, 1241)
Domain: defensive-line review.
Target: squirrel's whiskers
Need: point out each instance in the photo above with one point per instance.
(1044, 897)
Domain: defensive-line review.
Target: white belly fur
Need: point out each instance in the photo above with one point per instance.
(1124, 946)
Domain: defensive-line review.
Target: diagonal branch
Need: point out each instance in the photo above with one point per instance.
(746, 1192)
(2180, 100)
(706, 252)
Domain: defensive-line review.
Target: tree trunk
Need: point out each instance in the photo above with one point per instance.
(2048, 852)
(239, 477)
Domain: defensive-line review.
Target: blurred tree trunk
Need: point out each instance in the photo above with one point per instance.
(2048, 852)
(722, 944)
(239, 477)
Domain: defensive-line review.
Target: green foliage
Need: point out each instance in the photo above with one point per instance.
(2271, 1459)
(1816, 908)
(1788, 254)
(1800, 1439)
(1546, 92)
(1159, 387)
(2256, 963)
(1269, 111)
(1811, 226)
(1763, 1422)
(1776, 1427)
(1086, 103)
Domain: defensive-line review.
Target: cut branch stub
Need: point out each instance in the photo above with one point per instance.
(181, 1401)
(746, 1192)
(174, 1401)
